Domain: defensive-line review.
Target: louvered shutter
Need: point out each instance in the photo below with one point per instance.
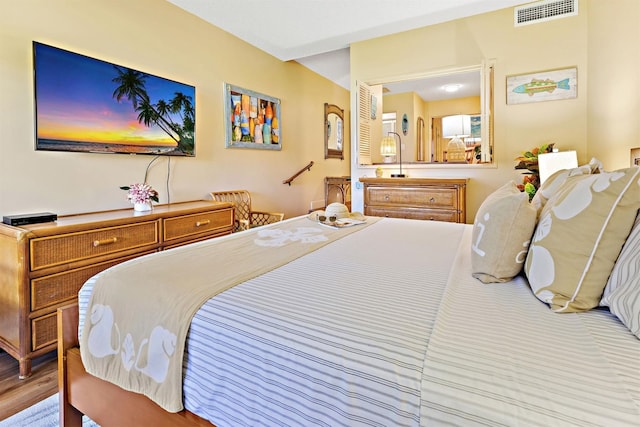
(363, 129)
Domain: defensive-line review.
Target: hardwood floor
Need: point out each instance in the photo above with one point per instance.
(17, 394)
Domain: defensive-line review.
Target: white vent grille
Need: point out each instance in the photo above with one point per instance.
(545, 10)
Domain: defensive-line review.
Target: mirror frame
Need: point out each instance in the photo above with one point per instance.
(332, 153)
(487, 96)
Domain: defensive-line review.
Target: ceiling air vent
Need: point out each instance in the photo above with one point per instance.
(545, 10)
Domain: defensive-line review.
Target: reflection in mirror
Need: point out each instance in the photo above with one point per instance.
(458, 138)
(388, 127)
(462, 91)
(420, 146)
(333, 132)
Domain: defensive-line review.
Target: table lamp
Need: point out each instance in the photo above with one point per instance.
(388, 148)
(456, 127)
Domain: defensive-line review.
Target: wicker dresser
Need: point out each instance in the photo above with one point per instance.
(42, 266)
(437, 199)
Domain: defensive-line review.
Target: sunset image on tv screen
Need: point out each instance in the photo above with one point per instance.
(88, 105)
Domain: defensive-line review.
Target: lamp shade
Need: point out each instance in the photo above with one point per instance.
(388, 146)
(459, 125)
(548, 163)
(455, 127)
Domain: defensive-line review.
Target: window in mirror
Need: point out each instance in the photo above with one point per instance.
(466, 90)
(389, 126)
(333, 132)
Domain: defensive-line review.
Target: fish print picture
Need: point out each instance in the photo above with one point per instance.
(548, 85)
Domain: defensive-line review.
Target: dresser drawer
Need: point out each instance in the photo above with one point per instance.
(44, 331)
(196, 224)
(43, 265)
(409, 213)
(54, 289)
(426, 197)
(66, 248)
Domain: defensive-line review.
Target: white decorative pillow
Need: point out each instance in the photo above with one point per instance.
(501, 233)
(581, 231)
(555, 181)
(622, 293)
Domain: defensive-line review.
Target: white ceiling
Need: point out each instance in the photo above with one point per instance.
(318, 33)
(433, 88)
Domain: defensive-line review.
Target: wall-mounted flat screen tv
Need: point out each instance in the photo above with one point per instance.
(89, 105)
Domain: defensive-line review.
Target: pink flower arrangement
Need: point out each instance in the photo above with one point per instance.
(141, 193)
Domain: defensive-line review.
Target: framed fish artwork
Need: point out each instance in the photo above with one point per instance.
(550, 85)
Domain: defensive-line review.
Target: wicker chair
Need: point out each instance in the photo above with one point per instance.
(245, 217)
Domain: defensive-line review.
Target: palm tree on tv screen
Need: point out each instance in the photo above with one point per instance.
(131, 85)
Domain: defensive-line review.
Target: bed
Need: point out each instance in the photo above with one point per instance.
(379, 324)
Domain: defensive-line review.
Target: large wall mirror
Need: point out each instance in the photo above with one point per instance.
(333, 132)
(417, 108)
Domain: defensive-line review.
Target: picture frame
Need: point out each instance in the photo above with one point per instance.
(476, 127)
(333, 132)
(247, 116)
(635, 156)
(549, 85)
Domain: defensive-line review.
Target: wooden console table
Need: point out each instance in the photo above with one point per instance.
(43, 266)
(438, 199)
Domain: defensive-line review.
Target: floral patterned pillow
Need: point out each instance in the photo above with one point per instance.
(579, 235)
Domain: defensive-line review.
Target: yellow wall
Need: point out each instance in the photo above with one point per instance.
(158, 38)
(467, 42)
(413, 106)
(402, 103)
(614, 81)
(448, 107)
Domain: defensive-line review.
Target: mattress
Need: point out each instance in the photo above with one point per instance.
(386, 327)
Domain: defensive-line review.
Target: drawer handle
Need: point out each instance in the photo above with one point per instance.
(432, 200)
(201, 223)
(386, 197)
(97, 243)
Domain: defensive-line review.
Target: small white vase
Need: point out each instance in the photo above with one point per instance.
(142, 207)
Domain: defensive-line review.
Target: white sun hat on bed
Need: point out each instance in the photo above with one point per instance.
(338, 210)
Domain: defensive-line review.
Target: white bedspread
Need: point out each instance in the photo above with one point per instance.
(355, 334)
(498, 356)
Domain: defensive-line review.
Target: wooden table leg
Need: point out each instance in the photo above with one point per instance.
(67, 338)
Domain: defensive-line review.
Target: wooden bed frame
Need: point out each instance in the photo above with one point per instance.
(105, 403)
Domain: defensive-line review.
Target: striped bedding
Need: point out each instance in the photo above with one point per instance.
(386, 327)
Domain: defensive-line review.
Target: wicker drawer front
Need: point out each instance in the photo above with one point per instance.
(65, 248)
(51, 290)
(427, 197)
(43, 331)
(194, 224)
(408, 213)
